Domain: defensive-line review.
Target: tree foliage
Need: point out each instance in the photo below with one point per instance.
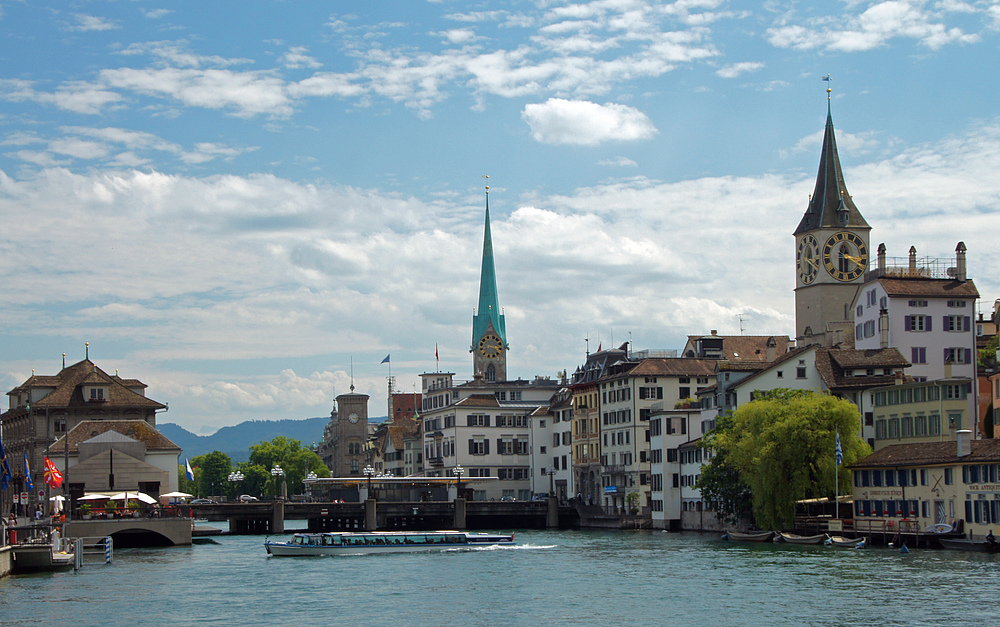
(291, 456)
(988, 355)
(720, 481)
(211, 473)
(782, 447)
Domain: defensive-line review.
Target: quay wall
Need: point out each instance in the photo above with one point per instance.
(6, 560)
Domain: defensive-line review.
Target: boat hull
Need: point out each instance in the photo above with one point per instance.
(736, 536)
(794, 538)
(959, 544)
(319, 544)
(847, 543)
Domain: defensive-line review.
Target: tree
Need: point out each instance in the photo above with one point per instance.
(988, 355)
(783, 446)
(211, 473)
(720, 483)
(290, 455)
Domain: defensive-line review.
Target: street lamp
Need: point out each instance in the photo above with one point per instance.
(552, 473)
(276, 472)
(369, 472)
(234, 478)
(309, 479)
(457, 471)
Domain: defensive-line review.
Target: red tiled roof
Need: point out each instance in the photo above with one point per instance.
(930, 453)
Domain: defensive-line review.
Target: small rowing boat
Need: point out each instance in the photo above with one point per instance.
(754, 536)
(962, 544)
(851, 543)
(794, 538)
(351, 543)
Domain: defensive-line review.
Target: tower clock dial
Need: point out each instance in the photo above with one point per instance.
(807, 259)
(490, 346)
(845, 256)
(352, 417)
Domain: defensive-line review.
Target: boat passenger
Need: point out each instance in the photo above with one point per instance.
(990, 538)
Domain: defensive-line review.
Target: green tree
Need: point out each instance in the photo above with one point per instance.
(720, 481)
(988, 355)
(211, 473)
(292, 457)
(783, 447)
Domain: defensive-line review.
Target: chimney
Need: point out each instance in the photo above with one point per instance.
(913, 261)
(960, 262)
(963, 437)
(715, 331)
(883, 328)
(881, 259)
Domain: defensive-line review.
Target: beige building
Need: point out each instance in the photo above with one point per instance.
(912, 486)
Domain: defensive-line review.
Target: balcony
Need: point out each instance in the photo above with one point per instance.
(436, 462)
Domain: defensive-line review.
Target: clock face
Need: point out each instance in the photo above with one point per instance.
(490, 346)
(352, 417)
(845, 256)
(807, 259)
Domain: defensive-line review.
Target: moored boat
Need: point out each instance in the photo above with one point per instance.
(754, 536)
(794, 538)
(853, 543)
(962, 544)
(353, 543)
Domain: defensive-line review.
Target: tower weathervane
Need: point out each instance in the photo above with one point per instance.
(828, 88)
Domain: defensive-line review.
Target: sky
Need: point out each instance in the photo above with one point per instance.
(248, 206)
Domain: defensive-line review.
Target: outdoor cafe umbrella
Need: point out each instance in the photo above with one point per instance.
(176, 495)
(93, 497)
(127, 496)
(57, 502)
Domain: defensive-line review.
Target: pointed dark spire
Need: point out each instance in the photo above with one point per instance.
(489, 301)
(830, 205)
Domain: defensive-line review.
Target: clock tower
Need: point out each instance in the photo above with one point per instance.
(489, 332)
(831, 253)
(350, 432)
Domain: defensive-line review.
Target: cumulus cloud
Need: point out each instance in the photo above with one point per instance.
(84, 23)
(735, 69)
(579, 122)
(875, 26)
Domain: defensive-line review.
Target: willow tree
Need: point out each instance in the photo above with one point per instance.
(783, 446)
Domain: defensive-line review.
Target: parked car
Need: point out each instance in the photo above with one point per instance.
(507, 499)
(246, 498)
(202, 502)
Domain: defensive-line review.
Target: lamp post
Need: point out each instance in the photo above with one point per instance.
(234, 478)
(552, 473)
(457, 471)
(276, 472)
(369, 472)
(310, 477)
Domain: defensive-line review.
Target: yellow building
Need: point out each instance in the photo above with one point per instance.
(912, 486)
(926, 411)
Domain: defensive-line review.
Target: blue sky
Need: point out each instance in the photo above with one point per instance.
(233, 208)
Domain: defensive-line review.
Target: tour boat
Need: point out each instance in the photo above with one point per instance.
(353, 543)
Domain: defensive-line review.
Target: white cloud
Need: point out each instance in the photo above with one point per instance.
(296, 57)
(879, 23)
(735, 69)
(619, 162)
(84, 23)
(579, 122)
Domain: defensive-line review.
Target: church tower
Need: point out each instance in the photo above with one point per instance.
(489, 333)
(832, 253)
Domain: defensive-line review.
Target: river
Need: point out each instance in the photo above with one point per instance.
(551, 578)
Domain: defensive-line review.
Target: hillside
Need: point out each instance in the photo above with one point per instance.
(235, 441)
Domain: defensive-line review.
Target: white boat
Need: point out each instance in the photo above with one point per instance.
(750, 536)
(352, 543)
(854, 543)
(794, 538)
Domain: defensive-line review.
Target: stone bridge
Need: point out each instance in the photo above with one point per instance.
(129, 532)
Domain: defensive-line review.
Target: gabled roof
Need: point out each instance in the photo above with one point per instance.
(790, 355)
(674, 366)
(67, 392)
(836, 366)
(113, 431)
(743, 347)
(930, 453)
(830, 205)
(929, 288)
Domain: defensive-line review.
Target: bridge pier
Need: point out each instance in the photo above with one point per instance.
(552, 513)
(371, 515)
(459, 513)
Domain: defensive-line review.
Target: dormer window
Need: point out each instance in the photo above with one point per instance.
(96, 394)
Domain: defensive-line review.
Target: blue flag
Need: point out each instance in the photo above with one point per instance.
(840, 451)
(386, 360)
(187, 468)
(4, 468)
(27, 473)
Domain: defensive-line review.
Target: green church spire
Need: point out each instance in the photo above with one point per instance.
(489, 302)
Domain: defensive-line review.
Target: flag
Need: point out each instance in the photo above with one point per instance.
(826, 78)
(840, 451)
(436, 357)
(52, 475)
(4, 468)
(187, 467)
(27, 473)
(386, 360)
(599, 347)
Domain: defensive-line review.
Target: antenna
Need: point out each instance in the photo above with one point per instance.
(741, 316)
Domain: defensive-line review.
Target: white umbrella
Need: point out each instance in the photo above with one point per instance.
(58, 498)
(127, 496)
(93, 497)
(176, 495)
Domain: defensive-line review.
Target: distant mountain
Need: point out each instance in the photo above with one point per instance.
(235, 441)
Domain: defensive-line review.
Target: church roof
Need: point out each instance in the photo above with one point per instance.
(830, 205)
(489, 300)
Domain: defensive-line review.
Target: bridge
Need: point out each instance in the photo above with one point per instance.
(130, 532)
(370, 515)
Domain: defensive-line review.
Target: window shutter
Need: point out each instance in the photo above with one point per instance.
(487, 420)
(946, 355)
(472, 447)
(966, 323)
(659, 393)
(944, 322)
(968, 355)
(907, 323)
(468, 422)
(914, 355)
(486, 447)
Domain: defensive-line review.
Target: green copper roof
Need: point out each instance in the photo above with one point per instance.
(830, 204)
(489, 302)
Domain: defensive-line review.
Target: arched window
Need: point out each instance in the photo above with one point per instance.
(491, 373)
(354, 466)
